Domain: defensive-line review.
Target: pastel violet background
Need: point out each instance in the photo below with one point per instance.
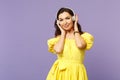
(25, 26)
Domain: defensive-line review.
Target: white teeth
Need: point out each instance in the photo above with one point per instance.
(66, 25)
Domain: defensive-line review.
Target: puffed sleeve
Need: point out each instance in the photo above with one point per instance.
(51, 42)
(89, 40)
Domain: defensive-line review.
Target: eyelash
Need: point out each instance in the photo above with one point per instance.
(65, 18)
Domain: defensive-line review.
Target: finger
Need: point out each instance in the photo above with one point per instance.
(76, 18)
(58, 23)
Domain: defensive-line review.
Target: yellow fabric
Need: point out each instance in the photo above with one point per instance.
(70, 63)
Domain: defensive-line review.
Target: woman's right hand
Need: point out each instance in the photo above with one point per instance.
(61, 29)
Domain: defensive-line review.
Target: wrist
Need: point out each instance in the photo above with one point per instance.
(76, 28)
(63, 33)
(76, 32)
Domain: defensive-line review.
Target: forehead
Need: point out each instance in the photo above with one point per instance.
(63, 15)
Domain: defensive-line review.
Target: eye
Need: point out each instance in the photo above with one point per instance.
(67, 17)
(60, 19)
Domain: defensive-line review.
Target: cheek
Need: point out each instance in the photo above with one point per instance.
(61, 24)
(71, 23)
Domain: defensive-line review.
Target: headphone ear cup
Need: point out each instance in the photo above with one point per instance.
(73, 18)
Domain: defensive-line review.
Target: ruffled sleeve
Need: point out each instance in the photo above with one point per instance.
(89, 40)
(51, 42)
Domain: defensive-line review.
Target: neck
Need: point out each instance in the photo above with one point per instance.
(70, 34)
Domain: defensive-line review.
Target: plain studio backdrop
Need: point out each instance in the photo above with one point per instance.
(26, 25)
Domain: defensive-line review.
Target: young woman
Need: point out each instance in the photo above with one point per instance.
(69, 44)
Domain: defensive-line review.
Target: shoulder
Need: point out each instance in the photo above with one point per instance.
(53, 39)
(87, 35)
(89, 39)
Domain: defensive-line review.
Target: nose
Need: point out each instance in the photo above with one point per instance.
(64, 22)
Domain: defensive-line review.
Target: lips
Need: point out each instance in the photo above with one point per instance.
(65, 26)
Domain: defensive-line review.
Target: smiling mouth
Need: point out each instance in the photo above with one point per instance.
(66, 26)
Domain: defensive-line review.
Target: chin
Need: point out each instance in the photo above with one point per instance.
(67, 29)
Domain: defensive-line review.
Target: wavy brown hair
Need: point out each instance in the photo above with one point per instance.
(61, 10)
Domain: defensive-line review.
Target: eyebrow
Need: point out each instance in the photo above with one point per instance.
(65, 17)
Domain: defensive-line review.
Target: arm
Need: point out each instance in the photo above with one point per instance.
(80, 42)
(60, 44)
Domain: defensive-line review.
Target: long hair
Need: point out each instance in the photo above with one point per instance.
(61, 10)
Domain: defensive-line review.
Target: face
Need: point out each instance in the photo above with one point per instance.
(65, 21)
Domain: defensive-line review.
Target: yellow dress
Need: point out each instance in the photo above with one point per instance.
(70, 63)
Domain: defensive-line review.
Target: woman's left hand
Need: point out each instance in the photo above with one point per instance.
(75, 23)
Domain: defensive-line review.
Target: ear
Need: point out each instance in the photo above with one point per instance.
(73, 18)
